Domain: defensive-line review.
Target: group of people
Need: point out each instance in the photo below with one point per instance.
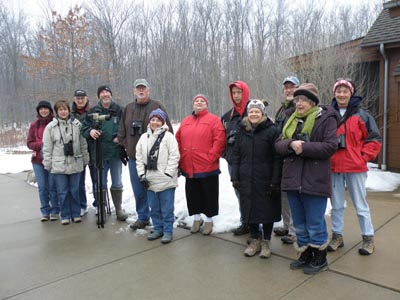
(288, 167)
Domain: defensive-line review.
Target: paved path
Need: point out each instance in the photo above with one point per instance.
(50, 261)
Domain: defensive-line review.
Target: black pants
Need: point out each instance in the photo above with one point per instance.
(266, 231)
(202, 195)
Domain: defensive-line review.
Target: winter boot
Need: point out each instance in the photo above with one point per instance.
(265, 249)
(336, 242)
(116, 195)
(196, 226)
(304, 259)
(253, 248)
(368, 245)
(318, 262)
(241, 230)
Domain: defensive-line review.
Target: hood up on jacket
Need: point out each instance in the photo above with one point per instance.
(245, 96)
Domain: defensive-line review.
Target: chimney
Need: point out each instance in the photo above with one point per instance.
(394, 8)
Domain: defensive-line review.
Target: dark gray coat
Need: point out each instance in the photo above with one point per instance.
(309, 172)
(256, 165)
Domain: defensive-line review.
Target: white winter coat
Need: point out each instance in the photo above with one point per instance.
(167, 163)
(54, 159)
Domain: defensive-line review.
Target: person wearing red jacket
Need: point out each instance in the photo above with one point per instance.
(201, 141)
(49, 205)
(359, 143)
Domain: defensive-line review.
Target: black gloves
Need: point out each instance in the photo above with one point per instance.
(145, 183)
(123, 156)
(236, 184)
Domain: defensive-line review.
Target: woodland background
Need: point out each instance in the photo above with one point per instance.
(182, 47)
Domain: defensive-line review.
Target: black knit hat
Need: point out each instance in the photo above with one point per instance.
(45, 104)
(103, 88)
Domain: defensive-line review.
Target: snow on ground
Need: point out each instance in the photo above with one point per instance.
(228, 217)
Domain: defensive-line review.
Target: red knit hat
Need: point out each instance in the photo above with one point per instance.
(200, 96)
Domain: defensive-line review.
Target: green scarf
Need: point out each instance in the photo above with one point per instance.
(291, 125)
(287, 103)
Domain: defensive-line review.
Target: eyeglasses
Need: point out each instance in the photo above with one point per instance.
(301, 99)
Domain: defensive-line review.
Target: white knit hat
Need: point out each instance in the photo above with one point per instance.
(255, 103)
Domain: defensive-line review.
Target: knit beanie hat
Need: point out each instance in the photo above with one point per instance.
(44, 104)
(309, 90)
(200, 96)
(160, 114)
(103, 88)
(343, 82)
(255, 103)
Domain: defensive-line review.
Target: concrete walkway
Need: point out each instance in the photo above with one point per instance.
(50, 261)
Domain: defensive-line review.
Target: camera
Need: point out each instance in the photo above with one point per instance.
(231, 137)
(68, 149)
(136, 125)
(342, 141)
(152, 162)
(305, 137)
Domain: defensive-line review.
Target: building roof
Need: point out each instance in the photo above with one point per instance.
(386, 28)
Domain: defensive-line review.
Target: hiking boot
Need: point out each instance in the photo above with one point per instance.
(139, 224)
(265, 249)
(253, 248)
(368, 246)
(336, 242)
(167, 238)
(303, 260)
(281, 231)
(196, 226)
(318, 262)
(207, 229)
(288, 239)
(44, 218)
(154, 235)
(241, 230)
(53, 217)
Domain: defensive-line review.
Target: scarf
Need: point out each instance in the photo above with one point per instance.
(291, 125)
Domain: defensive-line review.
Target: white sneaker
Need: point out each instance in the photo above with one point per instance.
(84, 211)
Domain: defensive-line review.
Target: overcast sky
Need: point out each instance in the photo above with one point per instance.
(62, 6)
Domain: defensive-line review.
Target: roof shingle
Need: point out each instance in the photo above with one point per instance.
(385, 30)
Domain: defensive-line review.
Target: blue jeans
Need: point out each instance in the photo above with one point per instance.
(68, 193)
(142, 204)
(308, 213)
(115, 167)
(162, 210)
(355, 183)
(82, 190)
(49, 203)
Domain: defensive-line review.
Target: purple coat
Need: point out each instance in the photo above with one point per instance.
(309, 172)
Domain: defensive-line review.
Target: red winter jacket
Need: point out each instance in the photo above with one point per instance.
(201, 140)
(35, 136)
(363, 141)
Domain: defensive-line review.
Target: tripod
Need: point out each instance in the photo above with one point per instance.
(103, 200)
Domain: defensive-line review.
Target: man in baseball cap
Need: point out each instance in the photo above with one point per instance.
(290, 83)
(135, 118)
